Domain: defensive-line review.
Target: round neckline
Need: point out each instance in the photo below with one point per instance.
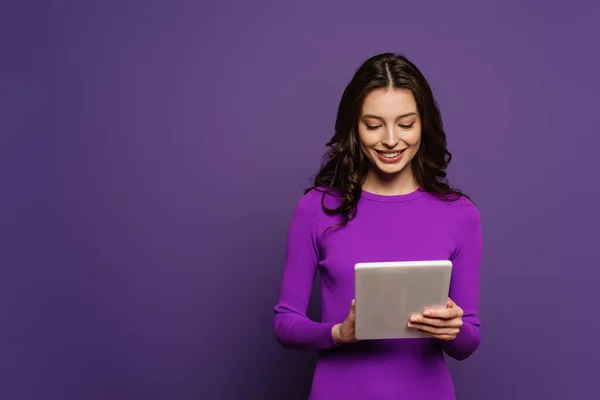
(394, 198)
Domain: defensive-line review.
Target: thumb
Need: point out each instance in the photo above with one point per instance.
(449, 303)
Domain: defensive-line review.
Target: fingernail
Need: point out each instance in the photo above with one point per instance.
(427, 313)
(413, 318)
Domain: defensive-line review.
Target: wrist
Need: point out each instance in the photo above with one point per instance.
(335, 333)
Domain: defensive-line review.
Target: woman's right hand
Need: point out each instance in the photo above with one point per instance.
(344, 332)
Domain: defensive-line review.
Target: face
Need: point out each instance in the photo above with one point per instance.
(389, 130)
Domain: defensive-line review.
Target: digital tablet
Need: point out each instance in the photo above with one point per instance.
(388, 293)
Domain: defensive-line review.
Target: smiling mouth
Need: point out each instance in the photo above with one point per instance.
(390, 154)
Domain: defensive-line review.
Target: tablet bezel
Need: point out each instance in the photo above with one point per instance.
(382, 308)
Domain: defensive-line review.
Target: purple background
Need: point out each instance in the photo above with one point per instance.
(152, 154)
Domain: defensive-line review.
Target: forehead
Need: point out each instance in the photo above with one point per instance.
(389, 103)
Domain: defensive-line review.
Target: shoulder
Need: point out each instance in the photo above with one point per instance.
(306, 204)
(319, 196)
(466, 208)
(312, 209)
(461, 210)
(311, 202)
(467, 217)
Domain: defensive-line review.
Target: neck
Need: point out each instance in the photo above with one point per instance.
(390, 185)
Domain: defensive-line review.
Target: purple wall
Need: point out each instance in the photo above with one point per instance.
(152, 154)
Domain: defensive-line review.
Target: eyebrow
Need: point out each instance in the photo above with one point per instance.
(381, 119)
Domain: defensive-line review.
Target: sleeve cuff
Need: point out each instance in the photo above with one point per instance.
(465, 343)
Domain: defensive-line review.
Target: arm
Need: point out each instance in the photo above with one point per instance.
(293, 329)
(464, 286)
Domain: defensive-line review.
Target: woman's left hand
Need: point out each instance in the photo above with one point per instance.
(444, 323)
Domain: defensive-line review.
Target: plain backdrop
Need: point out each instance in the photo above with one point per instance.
(151, 155)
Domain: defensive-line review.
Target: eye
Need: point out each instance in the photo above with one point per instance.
(406, 126)
(372, 127)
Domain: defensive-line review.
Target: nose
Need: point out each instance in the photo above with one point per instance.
(389, 140)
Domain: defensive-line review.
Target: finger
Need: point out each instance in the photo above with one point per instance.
(440, 336)
(443, 337)
(446, 313)
(438, 322)
(434, 330)
(352, 313)
(451, 304)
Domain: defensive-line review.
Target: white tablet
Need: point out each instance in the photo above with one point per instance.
(388, 293)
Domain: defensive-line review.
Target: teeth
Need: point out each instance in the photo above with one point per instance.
(390, 155)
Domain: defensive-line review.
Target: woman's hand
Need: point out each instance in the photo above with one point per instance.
(344, 332)
(441, 323)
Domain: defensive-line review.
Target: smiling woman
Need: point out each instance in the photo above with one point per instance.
(383, 189)
(388, 91)
(389, 133)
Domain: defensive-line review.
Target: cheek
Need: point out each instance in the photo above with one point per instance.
(414, 139)
(366, 141)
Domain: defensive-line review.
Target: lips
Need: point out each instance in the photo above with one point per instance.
(390, 154)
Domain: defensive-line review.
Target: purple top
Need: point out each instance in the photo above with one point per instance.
(415, 226)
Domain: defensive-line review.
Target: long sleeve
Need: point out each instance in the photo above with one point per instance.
(464, 285)
(293, 329)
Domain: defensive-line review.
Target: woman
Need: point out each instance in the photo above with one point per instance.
(381, 195)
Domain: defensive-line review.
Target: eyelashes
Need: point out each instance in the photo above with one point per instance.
(374, 127)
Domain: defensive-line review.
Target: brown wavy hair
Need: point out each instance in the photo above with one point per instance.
(344, 167)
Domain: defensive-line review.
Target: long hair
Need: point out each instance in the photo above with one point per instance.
(344, 167)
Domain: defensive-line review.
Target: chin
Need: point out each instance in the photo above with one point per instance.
(390, 169)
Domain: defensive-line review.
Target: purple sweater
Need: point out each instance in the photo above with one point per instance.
(415, 226)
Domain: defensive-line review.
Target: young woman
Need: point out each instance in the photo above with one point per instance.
(382, 195)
